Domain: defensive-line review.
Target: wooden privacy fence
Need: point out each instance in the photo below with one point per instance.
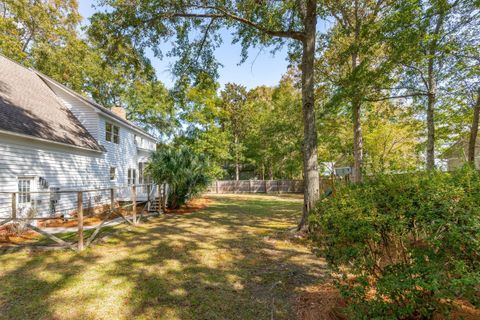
(129, 204)
(266, 186)
(256, 186)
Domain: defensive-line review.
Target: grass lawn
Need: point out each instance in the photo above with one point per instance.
(230, 260)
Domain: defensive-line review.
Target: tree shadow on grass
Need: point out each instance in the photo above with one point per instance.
(224, 262)
(27, 289)
(232, 274)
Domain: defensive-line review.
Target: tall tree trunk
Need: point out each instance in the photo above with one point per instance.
(237, 164)
(472, 142)
(357, 141)
(432, 93)
(356, 106)
(431, 127)
(310, 157)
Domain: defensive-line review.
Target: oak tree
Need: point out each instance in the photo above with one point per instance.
(252, 23)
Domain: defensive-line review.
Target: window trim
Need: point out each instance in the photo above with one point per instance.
(116, 134)
(112, 133)
(108, 131)
(140, 172)
(113, 173)
(142, 177)
(24, 193)
(131, 176)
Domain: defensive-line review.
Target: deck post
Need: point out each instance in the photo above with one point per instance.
(80, 219)
(14, 206)
(134, 204)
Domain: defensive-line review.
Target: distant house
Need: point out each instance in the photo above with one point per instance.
(456, 156)
(53, 139)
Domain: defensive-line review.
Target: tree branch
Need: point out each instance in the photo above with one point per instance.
(225, 14)
(204, 39)
(283, 34)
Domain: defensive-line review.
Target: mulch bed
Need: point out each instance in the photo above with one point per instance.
(322, 302)
(93, 217)
(9, 236)
(192, 206)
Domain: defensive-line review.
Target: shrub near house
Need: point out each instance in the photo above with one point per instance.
(407, 246)
(185, 172)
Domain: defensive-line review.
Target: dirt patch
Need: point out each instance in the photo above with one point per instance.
(322, 302)
(192, 206)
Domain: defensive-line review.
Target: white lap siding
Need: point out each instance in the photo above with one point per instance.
(122, 156)
(62, 167)
(70, 168)
(82, 110)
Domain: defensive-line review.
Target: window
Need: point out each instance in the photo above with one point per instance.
(113, 173)
(112, 133)
(140, 172)
(108, 131)
(142, 177)
(116, 134)
(132, 176)
(138, 141)
(24, 186)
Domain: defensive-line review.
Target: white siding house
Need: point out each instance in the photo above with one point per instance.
(456, 155)
(53, 139)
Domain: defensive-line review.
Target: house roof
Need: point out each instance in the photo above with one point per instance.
(29, 107)
(459, 149)
(96, 106)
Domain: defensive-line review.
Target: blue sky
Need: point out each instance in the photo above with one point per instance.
(260, 69)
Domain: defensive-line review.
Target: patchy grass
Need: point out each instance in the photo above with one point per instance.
(229, 260)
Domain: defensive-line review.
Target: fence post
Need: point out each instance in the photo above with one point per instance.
(265, 183)
(134, 204)
(80, 219)
(249, 186)
(216, 185)
(14, 206)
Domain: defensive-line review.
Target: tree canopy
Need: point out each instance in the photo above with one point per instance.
(388, 86)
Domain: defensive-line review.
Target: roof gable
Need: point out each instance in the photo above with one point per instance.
(103, 110)
(29, 107)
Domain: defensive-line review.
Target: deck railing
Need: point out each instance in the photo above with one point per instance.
(36, 208)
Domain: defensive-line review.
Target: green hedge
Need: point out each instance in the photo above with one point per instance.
(405, 246)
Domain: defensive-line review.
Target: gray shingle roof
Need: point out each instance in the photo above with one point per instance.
(29, 107)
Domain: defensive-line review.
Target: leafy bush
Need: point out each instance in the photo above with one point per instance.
(185, 173)
(405, 246)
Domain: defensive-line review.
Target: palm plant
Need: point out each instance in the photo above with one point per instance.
(185, 173)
